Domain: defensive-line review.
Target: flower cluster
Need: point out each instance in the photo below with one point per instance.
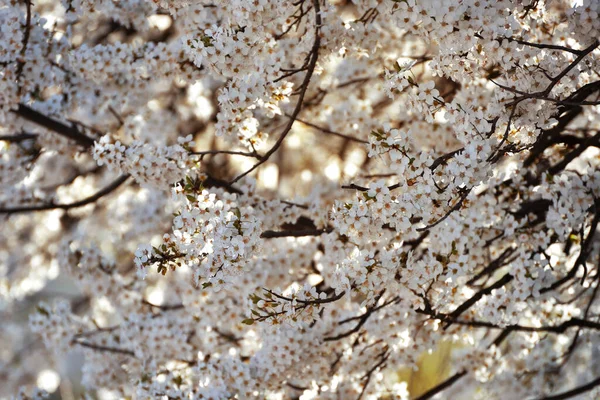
(310, 199)
(149, 165)
(216, 238)
(124, 62)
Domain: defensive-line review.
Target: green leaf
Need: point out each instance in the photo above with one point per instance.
(42, 311)
(255, 298)
(248, 321)
(367, 197)
(207, 41)
(145, 378)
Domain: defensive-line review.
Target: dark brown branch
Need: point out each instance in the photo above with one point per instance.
(88, 200)
(586, 248)
(211, 181)
(307, 302)
(592, 141)
(545, 46)
(116, 115)
(329, 131)
(384, 357)
(582, 93)
(104, 348)
(436, 163)
(294, 233)
(573, 344)
(313, 56)
(26, 34)
(493, 266)
(75, 134)
(164, 307)
(292, 204)
(227, 336)
(95, 332)
(538, 207)
(583, 53)
(454, 208)
(231, 152)
(561, 328)
(443, 158)
(442, 386)
(575, 100)
(354, 186)
(544, 93)
(61, 128)
(17, 138)
(362, 319)
(574, 392)
(549, 137)
(413, 244)
(297, 18)
(364, 189)
(475, 298)
(296, 387)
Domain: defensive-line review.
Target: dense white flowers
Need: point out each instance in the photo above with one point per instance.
(216, 238)
(304, 199)
(149, 165)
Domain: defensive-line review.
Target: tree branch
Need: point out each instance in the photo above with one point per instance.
(104, 348)
(313, 56)
(442, 386)
(574, 392)
(88, 200)
(58, 127)
(293, 233)
(475, 298)
(329, 131)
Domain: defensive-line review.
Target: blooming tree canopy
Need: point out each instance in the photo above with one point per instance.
(299, 199)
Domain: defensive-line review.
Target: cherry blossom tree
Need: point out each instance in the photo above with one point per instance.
(299, 199)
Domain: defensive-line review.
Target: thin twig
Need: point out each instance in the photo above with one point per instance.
(61, 128)
(88, 200)
(574, 392)
(294, 233)
(329, 131)
(104, 348)
(442, 386)
(313, 56)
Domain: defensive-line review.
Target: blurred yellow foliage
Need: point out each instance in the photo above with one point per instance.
(434, 368)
